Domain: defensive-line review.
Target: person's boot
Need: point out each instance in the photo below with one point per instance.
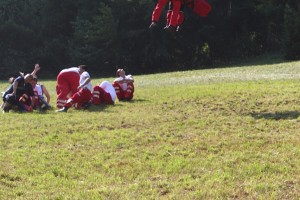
(6, 107)
(153, 25)
(170, 29)
(86, 105)
(64, 109)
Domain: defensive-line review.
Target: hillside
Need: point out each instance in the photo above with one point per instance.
(228, 133)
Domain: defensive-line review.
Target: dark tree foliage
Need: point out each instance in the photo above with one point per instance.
(114, 33)
(292, 30)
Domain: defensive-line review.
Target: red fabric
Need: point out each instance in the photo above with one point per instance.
(175, 12)
(158, 9)
(25, 99)
(28, 108)
(118, 90)
(67, 82)
(168, 17)
(201, 7)
(100, 96)
(82, 96)
(36, 101)
(129, 92)
(180, 17)
(124, 95)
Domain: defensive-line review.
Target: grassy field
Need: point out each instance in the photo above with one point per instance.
(230, 133)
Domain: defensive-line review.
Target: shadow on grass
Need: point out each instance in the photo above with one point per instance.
(286, 115)
(135, 100)
(101, 108)
(93, 108)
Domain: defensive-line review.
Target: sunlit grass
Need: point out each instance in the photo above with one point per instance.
(230, 133)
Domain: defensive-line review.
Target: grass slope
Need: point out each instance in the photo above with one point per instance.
(230, 133)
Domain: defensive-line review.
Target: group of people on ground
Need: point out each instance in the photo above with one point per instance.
(175, 14)
(25, 94)
(74, 89)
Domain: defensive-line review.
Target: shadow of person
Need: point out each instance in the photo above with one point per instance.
(101, 107)
(286, 115)
(134, 100)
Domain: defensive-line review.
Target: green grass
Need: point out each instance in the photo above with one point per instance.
(230, 133)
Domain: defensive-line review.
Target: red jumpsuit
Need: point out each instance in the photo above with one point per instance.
(200, 7)
(122, 94)
(84, 95)
(104, 94)
(67, 84)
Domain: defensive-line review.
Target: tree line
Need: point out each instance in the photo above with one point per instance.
(114, 33)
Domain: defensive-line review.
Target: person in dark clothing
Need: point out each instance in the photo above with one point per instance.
(18, 94)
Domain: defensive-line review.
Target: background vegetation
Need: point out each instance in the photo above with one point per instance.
(230, 133)
(105, 34)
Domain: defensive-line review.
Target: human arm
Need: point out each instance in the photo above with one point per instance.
(126, 79)
(86, 81)
(36, 69)
(45, 91)
(15, 86)
(129, 79)
(8, 91)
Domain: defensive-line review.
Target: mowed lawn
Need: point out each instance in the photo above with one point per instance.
(230, 133)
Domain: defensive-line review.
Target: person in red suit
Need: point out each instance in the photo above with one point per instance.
(104, 93)
(175, 15)
(200, 7)
(66, 85)
(124, 85)
(84, 94)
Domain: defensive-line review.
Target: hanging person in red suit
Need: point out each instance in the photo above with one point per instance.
(176, 4)
(200, 7)
(175, 15)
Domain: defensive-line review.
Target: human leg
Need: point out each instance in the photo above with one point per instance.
(119, 91)
(129, 91)
(175, 12)
(82, 96)
(157, 12)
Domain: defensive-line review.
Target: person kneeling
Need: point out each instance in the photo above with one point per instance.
(84, 93)
(39, 102)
